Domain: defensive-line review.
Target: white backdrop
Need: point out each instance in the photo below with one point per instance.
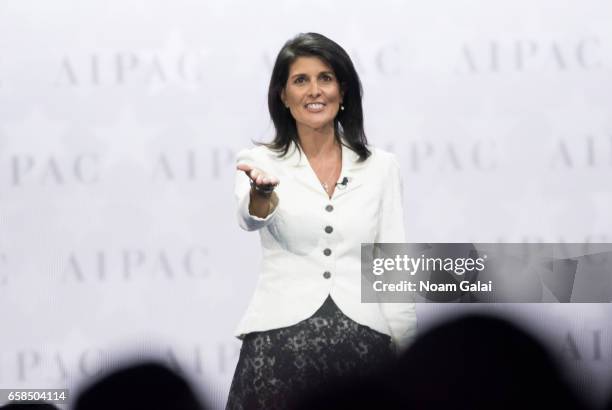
(119, 122)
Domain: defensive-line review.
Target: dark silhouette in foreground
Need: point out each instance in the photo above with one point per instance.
(475, 362)
(149, 385)
(28, 406)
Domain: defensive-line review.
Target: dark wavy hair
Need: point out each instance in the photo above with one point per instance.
(348, 122)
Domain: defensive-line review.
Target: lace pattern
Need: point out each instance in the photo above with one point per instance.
(278, 366)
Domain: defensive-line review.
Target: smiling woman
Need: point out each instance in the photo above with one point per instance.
(312, 93)
(306, 324)
(313, 96)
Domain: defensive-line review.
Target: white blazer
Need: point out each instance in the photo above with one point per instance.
(312, 244)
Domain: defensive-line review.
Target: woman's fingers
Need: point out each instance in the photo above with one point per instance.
(257, 176)
(244, 167)
(250, 171)
(270, 180)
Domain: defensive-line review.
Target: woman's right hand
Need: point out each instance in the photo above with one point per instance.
(261, 182)
(263, 199)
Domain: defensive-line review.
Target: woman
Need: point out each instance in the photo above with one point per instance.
(315, 194)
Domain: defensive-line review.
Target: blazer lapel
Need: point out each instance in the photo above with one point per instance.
(302, 172)
(351, 170)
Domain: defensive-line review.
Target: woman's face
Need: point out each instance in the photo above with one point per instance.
(312, 93)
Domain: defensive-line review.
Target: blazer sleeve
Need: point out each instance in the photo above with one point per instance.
(401, 317)
(242, 189)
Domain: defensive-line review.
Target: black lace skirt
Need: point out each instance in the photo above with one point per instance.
(278, 367)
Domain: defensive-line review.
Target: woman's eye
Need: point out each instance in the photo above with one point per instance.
(299, 80)
(327, 78)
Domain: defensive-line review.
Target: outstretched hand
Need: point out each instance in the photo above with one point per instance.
(259, 178)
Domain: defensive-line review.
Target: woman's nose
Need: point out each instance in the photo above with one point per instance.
(314, 89)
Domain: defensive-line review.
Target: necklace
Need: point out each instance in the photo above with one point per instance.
(324, 184)
(325, 187)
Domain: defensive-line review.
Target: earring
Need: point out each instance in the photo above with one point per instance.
(341, 107)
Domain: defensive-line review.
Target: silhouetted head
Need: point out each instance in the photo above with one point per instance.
(475, 362)
(148, 386)
(29, 406)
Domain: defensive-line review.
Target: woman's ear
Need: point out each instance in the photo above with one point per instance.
(283, 99)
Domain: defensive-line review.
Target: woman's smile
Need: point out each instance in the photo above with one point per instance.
(315, 107)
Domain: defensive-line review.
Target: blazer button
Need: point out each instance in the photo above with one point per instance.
(327, 252)
(327, 274)
(329, 208)
(329, 229)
